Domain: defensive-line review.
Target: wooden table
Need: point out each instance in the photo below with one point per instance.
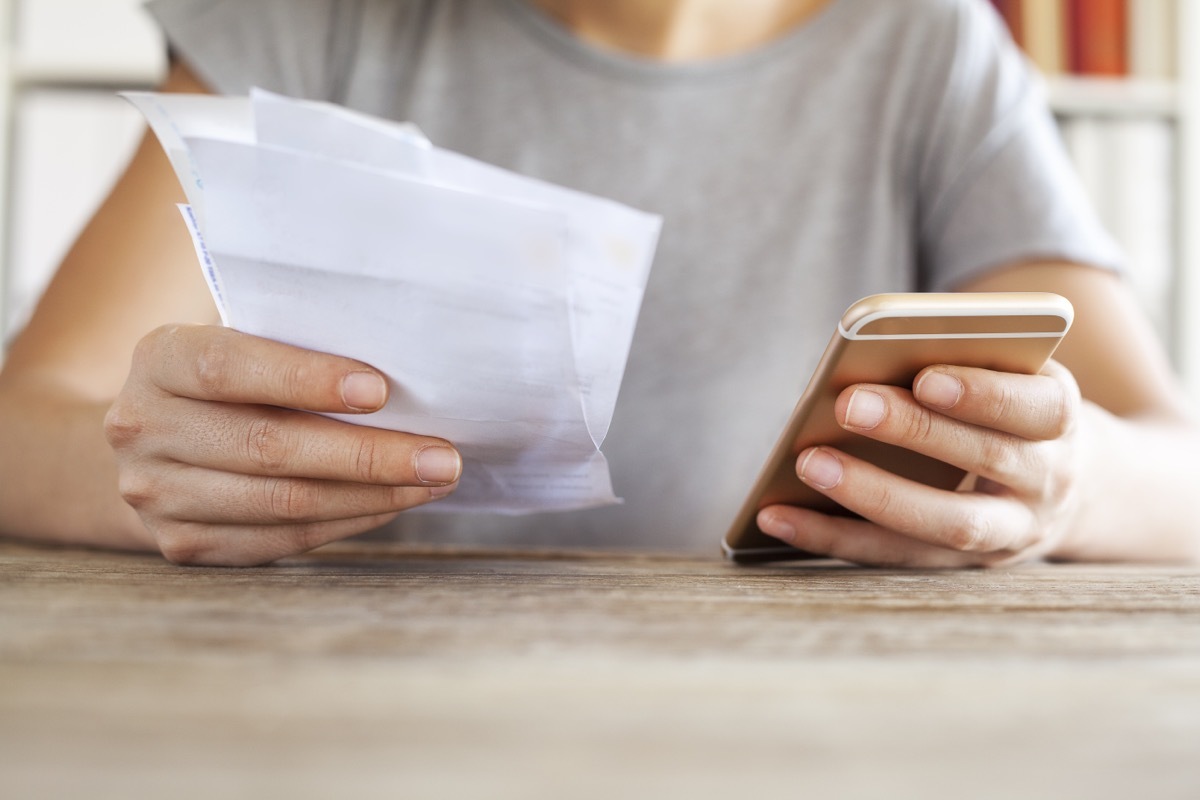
(375, 670)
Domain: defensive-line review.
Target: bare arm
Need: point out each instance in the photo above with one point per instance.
(129, 271)
(130, 420)
(1138, 483)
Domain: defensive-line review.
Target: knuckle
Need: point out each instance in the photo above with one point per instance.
(136, 488)
(211, 367)
(267, 445)
(142, 355)
(179, 547)
(1002, 457)
(368, 465)
(1064, 414)
(310, 536)
(298, 375)
(877, 503)
(919, 427)
(149, 347)
(1003, 403)
(291, 500)
(123, 425)
(970, 532)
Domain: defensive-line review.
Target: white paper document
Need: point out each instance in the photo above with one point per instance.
(501, 308)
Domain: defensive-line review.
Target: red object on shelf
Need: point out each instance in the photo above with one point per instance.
(1098, 34)
(1011, 11)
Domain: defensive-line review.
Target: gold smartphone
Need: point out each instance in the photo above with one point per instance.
(888, 339)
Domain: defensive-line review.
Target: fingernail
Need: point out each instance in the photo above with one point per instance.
(437, 464)
(774, 525)
(363, 391)
(938, 389)
(821, 469)
(865, 409)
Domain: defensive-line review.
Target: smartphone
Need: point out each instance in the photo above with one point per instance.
(888, 339)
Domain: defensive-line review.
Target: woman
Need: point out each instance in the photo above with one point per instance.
(802, 152)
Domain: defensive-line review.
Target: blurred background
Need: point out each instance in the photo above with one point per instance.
(1120, 76)
(65, 135)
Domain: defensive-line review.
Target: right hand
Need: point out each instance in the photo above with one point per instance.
(218, 455)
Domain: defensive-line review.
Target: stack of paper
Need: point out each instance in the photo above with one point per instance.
(501, 308)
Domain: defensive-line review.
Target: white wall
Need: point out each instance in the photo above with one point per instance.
(66, 134)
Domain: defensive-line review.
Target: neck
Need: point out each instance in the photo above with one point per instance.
(680, 30)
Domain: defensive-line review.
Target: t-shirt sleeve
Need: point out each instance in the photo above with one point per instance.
(296, 47)
(995, 185)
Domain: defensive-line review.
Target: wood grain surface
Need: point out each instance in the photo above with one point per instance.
(383, 671)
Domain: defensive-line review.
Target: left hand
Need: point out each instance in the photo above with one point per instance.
(1017, 435)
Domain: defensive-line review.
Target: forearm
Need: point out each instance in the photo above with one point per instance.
(1138, 498)
(58, 479)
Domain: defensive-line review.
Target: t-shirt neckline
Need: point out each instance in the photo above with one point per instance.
(638, 67)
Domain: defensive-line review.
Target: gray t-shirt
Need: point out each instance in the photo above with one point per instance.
(887, 145)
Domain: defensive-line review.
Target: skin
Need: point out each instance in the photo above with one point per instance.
(176, 434)
(680, 30)
(130, 419)
(1086, 461)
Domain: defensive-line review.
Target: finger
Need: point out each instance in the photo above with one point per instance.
(1036, 407)
(189, 494)
(256, 440)
(246, 546)
(891, 415)
(963, 521)
(859, 541)
(211, 363)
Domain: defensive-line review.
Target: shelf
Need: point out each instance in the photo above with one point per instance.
(1113, 97)
(83, 43)
(135, 70)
